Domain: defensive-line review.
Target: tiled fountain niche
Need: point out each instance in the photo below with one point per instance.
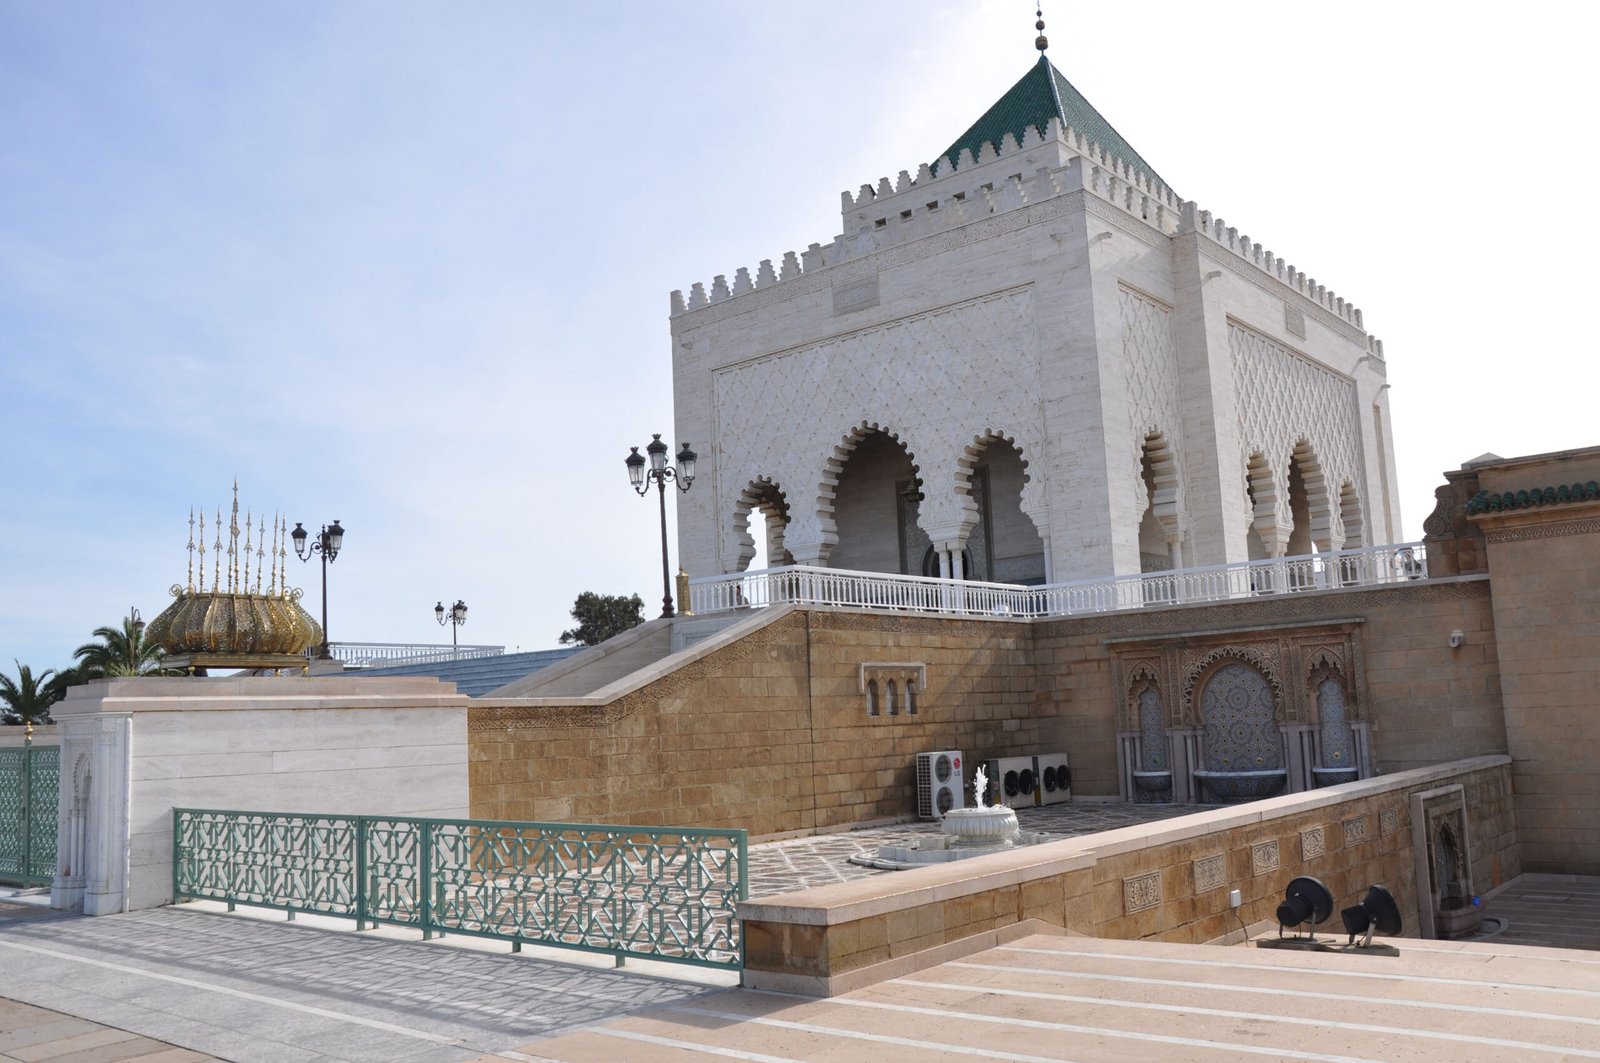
(1239, 714)
(1447, 906)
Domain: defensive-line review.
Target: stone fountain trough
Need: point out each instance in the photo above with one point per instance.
(967, 832)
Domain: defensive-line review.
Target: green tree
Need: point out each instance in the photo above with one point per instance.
(600, 616)
(28, 698)
(120, 652)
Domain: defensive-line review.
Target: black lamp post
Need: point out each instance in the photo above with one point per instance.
(456, 615)
(329, 540)
(661, 474)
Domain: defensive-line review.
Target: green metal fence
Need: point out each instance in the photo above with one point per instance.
(663, 893)
(30, 777)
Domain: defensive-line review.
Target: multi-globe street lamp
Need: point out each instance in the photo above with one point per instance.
(329, 540)
(455, 616)
(642, 473)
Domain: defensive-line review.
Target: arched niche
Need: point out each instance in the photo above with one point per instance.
(870, 499)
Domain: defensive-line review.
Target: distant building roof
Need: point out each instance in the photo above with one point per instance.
(476, 676)
(1042, 94)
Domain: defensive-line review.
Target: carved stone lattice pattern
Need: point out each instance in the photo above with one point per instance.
(936, 381)
(1337, 743)
(1388, 820)
(1140, 892)
(1153, 744)
(1210, 872)
(1264, 857)
(1241, 732)
(1152, 367)
(1355, 831)
(1284, 398)
(1313, 843)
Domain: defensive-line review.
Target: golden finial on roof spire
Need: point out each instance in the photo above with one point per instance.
(1042, 42)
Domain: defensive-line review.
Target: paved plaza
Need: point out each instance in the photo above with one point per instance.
(192, 983)
(822, 859)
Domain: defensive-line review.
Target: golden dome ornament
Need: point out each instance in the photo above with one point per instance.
(235, 626)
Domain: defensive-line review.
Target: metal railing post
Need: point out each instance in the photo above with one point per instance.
(361, 873)
(424, 877)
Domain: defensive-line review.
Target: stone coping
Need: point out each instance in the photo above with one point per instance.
(847, 902)
(647, 674)
(249, 693)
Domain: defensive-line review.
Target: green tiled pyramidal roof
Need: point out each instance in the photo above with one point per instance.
(1041, 95)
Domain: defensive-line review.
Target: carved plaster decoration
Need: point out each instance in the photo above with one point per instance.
(1388, 820)
(1152, 382)
(1263, 657)
(1313, 843)
(1355, 831)
(936, 381)
(1285, 399)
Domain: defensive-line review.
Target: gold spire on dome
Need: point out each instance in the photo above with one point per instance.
(236, 627)
(1042, 42)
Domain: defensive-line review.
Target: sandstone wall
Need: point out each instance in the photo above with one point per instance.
(771, 731)
(1167, 881)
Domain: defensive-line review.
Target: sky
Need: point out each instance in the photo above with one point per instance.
(406, 265)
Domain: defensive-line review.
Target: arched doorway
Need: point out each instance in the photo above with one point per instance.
(1003, 546)
(876, 502)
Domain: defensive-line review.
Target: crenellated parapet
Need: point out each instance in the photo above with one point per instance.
(949, 194)
(1049, 162)
(1226, 237)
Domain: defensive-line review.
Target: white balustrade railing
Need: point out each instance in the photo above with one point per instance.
(378, 654)
(810, 585)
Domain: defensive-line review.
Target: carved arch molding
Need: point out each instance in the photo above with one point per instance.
(1293, 658)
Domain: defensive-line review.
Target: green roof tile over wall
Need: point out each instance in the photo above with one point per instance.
(1041, 95)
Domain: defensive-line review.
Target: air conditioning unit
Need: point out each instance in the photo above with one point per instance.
(939, 784)
(1054, 778)
(1012, 782)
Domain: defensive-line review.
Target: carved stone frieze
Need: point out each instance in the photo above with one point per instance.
(1313, 843)
(1265, 857)
(1140, 892)
(1210, 873)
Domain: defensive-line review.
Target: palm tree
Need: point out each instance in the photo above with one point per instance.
(120, 652)
(28, 698)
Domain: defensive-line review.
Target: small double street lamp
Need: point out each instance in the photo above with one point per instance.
(329, 540)
(456, 615)
(661, 474)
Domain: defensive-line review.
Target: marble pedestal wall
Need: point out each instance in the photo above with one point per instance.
(132, 750)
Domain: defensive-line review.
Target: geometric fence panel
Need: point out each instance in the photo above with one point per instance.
(665, 893)
(30, 778)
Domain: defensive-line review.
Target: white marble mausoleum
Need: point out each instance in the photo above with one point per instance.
(1028, 361)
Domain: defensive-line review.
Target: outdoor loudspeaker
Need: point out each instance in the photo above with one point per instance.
(1376, 912)
(1304, 898)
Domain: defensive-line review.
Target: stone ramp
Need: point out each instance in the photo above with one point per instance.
(1094, 1001)
(641, 652)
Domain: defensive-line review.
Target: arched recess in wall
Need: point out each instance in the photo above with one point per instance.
(1161, 522)
(1003, 544)
(869, 501)
(1239, 716)
(1149, 719)
(1355, 529)
(1261, 489)
(759, 518)
(1310, 509)
(1332, 697)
